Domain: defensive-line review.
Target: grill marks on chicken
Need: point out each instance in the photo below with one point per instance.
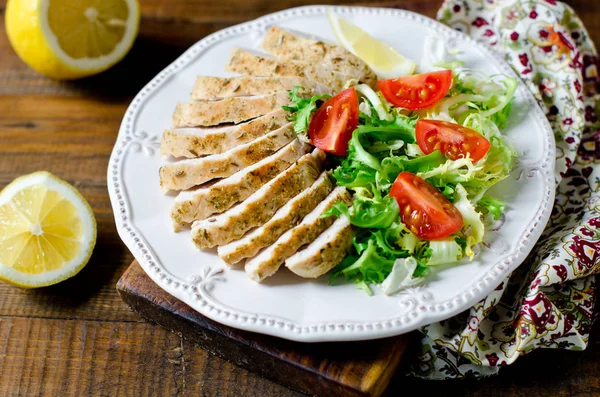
(247, 185)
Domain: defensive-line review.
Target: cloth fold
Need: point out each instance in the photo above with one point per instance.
(548, 302)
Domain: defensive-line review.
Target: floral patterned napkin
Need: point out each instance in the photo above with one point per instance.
(547, 302)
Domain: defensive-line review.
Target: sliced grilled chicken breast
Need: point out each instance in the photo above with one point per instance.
(329, 249)
(196, 142)
(284, 219)
(198, 204)
(214, 88)
(229, 110)
(285, 45)
(247, 63)
(259, 207)
(187, 173)
(271, 258)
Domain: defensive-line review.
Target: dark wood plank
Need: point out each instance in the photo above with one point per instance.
(353, 369)
(57, 357)
(232, 11)
(45, 357)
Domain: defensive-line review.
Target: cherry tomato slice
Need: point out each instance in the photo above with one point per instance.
(453, 140)
(331, 126)
(418, 91)
(424, 209)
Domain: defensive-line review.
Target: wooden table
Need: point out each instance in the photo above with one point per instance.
(78, 338)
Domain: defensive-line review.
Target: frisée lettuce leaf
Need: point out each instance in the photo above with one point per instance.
(369, 209)
(477, 177)
(473, 228)
(492, 206)
(444, 252)
(302, 109)
(403, 275)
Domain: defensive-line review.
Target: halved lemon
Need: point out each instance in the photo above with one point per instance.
(69, 39)
(385, 61)
(47, 231)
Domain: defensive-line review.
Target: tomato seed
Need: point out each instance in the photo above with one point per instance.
(416, 216)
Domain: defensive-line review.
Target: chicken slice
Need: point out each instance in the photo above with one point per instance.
(329, 249)
(271, 258)
(198, 204)
(284, 219)
(247, 63)
(214, 88)
(259, 207)
(196, 142)
(285, 45)
(229, 110)
(187, 173)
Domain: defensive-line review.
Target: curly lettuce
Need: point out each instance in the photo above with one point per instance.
(492, 206)
(302, 109)
(444, 252)
(369, 209)
(477, 177)
(473, 228)
(402, 276)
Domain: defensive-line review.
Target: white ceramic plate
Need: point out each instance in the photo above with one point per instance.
(286, 305)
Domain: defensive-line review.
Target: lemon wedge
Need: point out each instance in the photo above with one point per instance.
(69, 39)
(47, 231)
(385, 61)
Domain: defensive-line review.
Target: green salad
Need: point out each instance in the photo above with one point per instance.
(418, 153)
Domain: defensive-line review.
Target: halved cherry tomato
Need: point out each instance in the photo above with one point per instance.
(424, 209)
(332, 125)
(453, 140)
(418, 91)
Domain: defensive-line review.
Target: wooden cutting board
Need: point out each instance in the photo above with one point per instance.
(323, 369)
